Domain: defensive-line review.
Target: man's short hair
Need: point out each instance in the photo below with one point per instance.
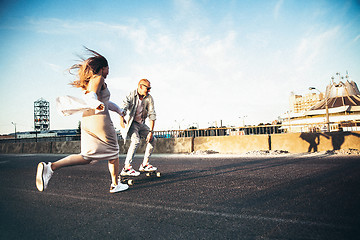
(144, 80)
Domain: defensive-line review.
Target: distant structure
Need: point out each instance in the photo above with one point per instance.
(299, 103)
(336, 109)
(41, 115)
(341, 97)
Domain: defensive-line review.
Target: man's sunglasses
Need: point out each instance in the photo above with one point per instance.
(148, 88)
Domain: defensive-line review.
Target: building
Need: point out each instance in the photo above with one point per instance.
(299, 103)
(41, 115)
(336, 109)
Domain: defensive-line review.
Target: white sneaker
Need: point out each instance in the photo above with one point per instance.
(43, 175)
(147, 168)
(118, 188)
(129, 172)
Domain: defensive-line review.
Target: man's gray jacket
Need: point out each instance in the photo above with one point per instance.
(129, 106)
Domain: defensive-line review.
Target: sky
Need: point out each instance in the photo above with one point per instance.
(210, 62)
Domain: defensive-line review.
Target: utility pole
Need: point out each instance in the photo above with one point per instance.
(15, 128)
(326, 106)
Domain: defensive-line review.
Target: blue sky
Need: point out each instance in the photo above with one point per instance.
(208, 61)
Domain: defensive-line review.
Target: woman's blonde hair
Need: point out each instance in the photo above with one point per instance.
(88, 68)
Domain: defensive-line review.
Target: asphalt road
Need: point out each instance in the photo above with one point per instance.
(298, 196)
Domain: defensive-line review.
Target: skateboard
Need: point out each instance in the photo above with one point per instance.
(129, 180)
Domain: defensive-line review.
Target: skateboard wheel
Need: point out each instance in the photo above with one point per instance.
(158, 174)
(130, 182)
(148, 174)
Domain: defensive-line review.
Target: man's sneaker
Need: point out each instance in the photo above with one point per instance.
(43, 175)
(147, 168)
(129, 172)
(118, 188)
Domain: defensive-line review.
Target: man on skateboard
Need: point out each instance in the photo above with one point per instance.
(138, 106)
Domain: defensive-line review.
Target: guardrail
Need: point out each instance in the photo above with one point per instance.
(222, 131)
(42, 139)
(260, 129)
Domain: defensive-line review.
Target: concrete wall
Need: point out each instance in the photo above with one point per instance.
(310, 142)
(174, 145)
(163, 145)
(232, 144)
(292, 142)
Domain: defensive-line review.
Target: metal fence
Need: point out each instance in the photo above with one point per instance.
(42, 139)
(349, 126)
(273, 129)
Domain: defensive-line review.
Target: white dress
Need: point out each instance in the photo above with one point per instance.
(98, 136)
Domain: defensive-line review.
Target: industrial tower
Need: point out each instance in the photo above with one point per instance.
(41, 115)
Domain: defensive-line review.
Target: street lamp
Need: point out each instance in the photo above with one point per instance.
(243, 120)
(15, 128)
(326, 107)
(179, 122)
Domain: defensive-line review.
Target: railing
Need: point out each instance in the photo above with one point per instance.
(261, 129)
(232, 131)
(42, 139)
(273, 129)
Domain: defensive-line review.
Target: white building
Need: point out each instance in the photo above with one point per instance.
(339, 109)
